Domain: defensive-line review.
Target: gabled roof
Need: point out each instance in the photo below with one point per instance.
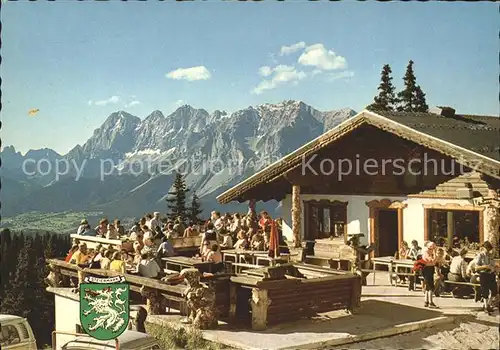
(470, 140)
(480, 134)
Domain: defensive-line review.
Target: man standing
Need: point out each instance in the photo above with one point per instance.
(485, 265)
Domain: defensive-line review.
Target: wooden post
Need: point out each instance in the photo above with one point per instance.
(233, 299)
(259, 303)
(492, 215)
(450, 227)
(296, 215)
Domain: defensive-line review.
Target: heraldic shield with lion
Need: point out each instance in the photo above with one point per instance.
(104, 307)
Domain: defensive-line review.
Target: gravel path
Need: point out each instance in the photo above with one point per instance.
(473, 333)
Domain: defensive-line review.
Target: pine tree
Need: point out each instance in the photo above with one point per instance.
(386, 99)
(420, 102)
(177, 201)
(41, 316)
(411, 98)
(15, 300)
(195, 209)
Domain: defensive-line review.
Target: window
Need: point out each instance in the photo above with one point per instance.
(325, 219)
(466, 226)
(9, 335)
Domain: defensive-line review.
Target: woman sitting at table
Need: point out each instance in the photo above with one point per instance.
(117, 264)
(257, 242)
(112, 233)
(242, 242)
(214, 255)
(73, 249)
(441, 272)
(403, 252)
(106, 260)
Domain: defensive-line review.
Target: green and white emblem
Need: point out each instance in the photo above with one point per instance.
(104, 307)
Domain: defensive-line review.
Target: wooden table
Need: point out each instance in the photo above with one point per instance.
(238, 254)
(385, 261)
(182, 262)
(404, 264)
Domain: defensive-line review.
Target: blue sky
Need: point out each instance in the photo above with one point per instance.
(79, 62)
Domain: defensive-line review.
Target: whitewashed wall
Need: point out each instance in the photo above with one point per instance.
(358, 214)
(67, 317)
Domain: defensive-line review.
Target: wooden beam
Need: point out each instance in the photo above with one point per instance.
(296, 215)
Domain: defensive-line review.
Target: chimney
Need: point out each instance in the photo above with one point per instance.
(443, 111)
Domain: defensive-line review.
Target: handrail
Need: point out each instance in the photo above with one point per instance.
(117, 343)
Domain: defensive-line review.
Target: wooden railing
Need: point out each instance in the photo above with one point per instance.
(159, 295)
(277, 301)
(179, 244)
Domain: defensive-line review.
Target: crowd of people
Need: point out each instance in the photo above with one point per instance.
(436, 264)
(150, 240)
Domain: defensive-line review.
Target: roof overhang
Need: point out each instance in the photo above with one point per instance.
(473, 160)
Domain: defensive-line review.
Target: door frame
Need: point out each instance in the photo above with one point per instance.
(374, 207)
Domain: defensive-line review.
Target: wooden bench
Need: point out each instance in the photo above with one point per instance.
(464, 284)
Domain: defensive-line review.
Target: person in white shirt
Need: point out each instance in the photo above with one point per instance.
(458, 267)
(154, 222)
(148, 267)
(82, 226)
(148, 236)
(112, 233)
(227, 242)
(485, 266)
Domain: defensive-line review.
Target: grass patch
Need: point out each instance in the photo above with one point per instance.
(180, 338)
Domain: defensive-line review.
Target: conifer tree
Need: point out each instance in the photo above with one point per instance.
(177, 201)
(386, 99)
(411, 98)
(195, 209)
(420, 101)
(15, 300)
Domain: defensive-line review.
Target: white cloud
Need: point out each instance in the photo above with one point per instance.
(190, 74)
(133, 103)
(341, 75)
(279, 75)
(286, 50)
(265, 71)
(318, 56)
(179, 103)
(111, 100)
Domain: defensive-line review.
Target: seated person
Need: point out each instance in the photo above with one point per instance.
(242, 242)
(458, 267)
(148, 267)
(73, 249)
(227, 241)
(214, 255)
(81, 256)
(205, 250)
(106, 260)
(165, 249)
(257, 242)
(473, 277)
(414, 251)
(117, 264)
(112, 232)
(403, 251)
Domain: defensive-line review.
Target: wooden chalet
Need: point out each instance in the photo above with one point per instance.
(452, 188)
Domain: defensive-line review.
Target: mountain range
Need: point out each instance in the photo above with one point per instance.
(214, 150)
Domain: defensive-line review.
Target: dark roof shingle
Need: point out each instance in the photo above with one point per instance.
(480, 134)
